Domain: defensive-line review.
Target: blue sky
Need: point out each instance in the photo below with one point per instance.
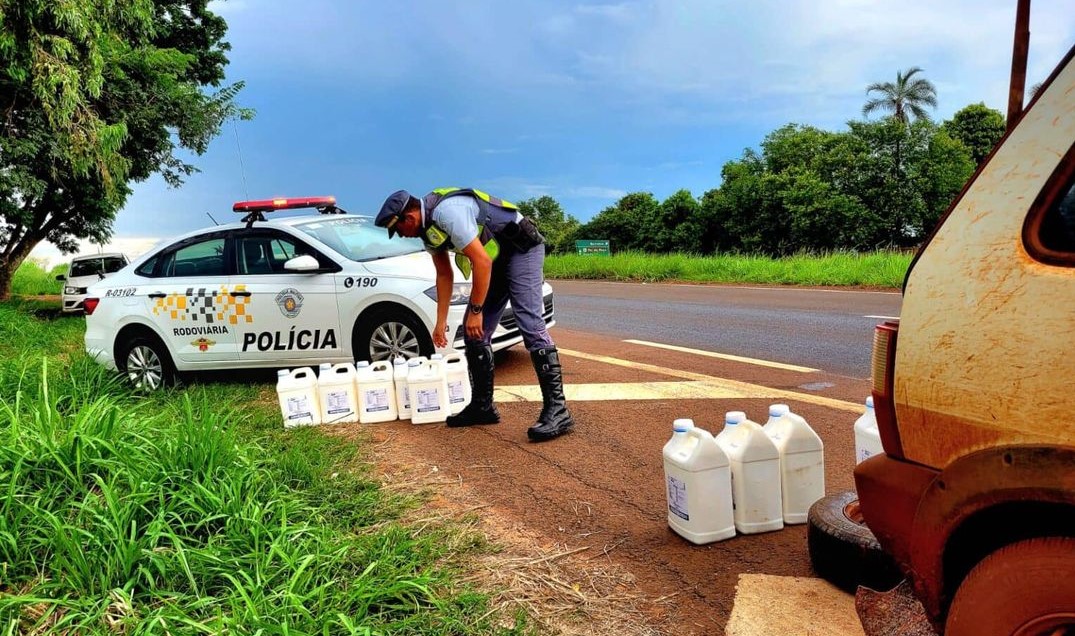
(578, 100)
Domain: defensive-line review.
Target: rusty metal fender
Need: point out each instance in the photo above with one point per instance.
(975, 483)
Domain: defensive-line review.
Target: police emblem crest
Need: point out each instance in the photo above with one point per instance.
(290, 302)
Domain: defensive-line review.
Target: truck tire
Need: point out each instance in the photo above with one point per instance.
(842, 549)
(1024, 588)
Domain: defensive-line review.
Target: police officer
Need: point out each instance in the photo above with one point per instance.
(505, 252)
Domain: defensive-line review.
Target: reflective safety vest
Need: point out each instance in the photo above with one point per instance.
(497, 213)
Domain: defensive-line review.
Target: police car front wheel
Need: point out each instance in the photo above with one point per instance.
(146, 363)
(387, 335)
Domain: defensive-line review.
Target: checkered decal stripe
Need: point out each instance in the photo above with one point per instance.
(205, 306)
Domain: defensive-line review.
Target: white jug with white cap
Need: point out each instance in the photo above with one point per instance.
(399, 379)
(297, 393)
(336, 393)
(455, 371)
(867, 436)
(698, 485)
(428, 387)
(376, 392)
(755, 464)
(802, 465)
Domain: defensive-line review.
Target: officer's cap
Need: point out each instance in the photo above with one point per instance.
(392, 210)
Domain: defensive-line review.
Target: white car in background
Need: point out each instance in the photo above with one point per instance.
(288, 292)
(84, 271)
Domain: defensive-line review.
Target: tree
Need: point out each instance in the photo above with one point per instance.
(627, 224)
(557, 228)
(908, 94)
(977, 127)
(97, 94)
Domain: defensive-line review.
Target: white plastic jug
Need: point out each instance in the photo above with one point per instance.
(867, 437)
(297, 392)
(755, 464)
(802, 465)
(776, 411)
(376, 392)
(731, 420)
(455, 371)
(403, 399)
(698, 485)
(336, 393)
(428, 387)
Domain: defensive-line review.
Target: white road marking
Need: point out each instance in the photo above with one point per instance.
(697, 386)
(725, 356)
(773, 288)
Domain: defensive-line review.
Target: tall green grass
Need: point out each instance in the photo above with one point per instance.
(872, 269)
(31, 279)
(193, 512)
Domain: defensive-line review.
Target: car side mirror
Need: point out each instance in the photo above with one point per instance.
(61, 277)
(304, 263)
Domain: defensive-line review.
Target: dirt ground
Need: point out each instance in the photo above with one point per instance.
(592, 503)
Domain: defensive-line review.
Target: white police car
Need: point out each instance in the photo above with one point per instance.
(288, 292)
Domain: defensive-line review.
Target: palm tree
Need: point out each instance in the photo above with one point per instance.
(906, 95)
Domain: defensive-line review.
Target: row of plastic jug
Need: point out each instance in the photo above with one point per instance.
(378, 392)
(749, 478)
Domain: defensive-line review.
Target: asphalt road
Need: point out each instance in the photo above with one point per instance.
(826, 329)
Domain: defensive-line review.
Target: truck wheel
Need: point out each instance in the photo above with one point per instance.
(1022, 589)
(843, 551)
(144, 360)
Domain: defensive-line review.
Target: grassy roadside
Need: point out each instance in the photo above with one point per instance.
(31, 279)
(193, 512)
(873, 269)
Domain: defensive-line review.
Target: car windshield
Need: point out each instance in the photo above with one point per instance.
(357, 238)
(91, 266)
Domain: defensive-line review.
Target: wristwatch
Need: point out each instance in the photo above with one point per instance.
(474, 308)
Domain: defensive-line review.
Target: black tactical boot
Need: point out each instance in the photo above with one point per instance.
(481, 409)
(555, 420)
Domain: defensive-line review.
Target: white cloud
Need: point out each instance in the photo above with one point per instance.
(595, 192)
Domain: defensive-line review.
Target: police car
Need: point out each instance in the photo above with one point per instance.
(286, 292)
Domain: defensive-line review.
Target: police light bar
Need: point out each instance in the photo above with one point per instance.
(270, 205)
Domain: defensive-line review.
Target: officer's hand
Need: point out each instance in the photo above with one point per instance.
(473, 324)
(440, 335)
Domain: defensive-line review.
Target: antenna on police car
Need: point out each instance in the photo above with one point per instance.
(211, 218)
(239, 149)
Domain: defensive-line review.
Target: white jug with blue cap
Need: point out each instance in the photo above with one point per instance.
(755, 464)
(697, 485)
(802, 465)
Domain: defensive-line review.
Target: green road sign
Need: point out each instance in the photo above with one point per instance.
(592, 247)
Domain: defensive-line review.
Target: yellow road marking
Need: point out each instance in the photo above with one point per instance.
(725, 356)
(623, 391)
(718, 385)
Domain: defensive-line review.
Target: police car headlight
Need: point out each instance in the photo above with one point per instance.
(70, 290)
(460, 293)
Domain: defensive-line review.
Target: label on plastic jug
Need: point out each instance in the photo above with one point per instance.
(426, 400)
(677, 498)
(338, 403)
(376, 400)
(456, 392)
(298, 407)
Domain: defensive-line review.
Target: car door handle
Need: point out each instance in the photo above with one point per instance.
(157, 295)
(240, 294)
